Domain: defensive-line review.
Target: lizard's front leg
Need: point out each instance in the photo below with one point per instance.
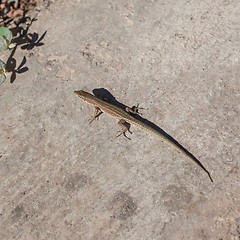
(125, 127)
(133, 110)
(97, 113)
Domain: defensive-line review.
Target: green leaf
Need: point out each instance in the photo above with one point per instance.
(6, 33)
(5, 39)
(3, 43)
(2, 65)
(2, 72)
(2, 78)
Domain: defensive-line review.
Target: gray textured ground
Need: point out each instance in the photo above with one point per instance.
(62, 178)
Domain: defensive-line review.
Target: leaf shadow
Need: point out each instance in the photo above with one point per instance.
(33, 40)
(11, 66)
(27, 41)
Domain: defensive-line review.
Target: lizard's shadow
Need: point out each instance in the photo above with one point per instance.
(104, 94)
(107, 96)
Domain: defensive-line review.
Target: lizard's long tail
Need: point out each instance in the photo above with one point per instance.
(164, 136)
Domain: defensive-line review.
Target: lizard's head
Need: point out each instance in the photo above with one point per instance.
(82, 94)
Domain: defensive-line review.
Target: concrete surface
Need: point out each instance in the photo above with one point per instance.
(62, 178)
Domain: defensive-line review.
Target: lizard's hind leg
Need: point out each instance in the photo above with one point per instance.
(125, 127)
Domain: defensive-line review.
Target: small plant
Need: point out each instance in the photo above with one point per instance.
(5, 43)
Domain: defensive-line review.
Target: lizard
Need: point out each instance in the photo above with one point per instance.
(126, 118)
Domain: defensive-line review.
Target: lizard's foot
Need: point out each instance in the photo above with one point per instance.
(134, 109)
(125, 127)
(97, 113)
